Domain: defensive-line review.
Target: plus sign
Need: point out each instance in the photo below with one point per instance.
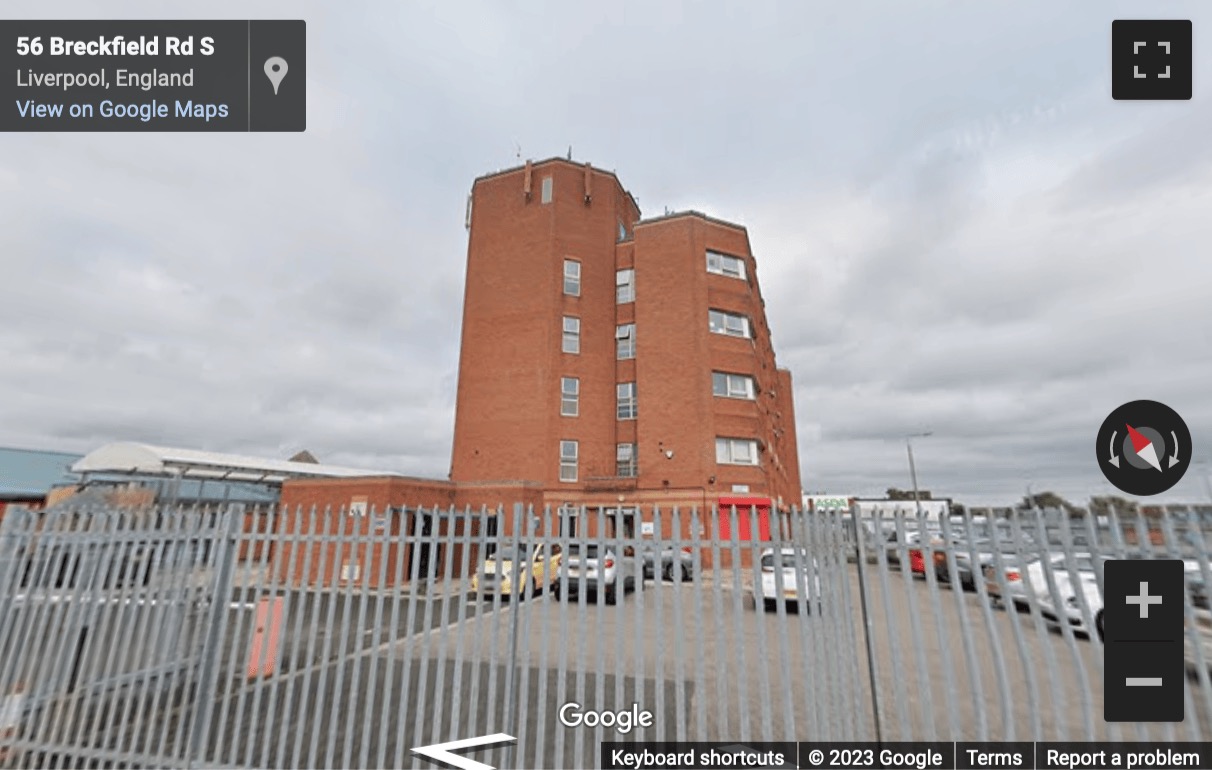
(1144, 600)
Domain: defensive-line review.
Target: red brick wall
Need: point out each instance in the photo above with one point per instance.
(311, 507)
(507, 421)
(508, 424)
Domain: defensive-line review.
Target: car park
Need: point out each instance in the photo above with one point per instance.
(537, 567)
(787, 574)
(598, 570)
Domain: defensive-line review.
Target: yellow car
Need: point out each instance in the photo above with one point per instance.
(538, 568)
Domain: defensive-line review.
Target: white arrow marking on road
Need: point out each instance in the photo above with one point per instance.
(442, 752)
(1114, 457)
(1174, 457)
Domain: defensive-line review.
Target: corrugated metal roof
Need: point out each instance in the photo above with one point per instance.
(28, 473)
(144, 459)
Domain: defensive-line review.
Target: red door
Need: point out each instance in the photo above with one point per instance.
(744, 513)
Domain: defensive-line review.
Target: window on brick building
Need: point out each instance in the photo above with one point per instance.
(736, 451)
(568, 461)
(545, 195)
(624, 286)
(624, 336)
(569, 514)
(723, 264)
(625, 461)
(570, 396)
(572, 335)
(626, 401)
(730, 324)
(732, 385)
(572, 277)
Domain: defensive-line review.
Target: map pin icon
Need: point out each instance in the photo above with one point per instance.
(275, 70)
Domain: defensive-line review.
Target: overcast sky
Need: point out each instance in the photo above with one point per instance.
(957, 230)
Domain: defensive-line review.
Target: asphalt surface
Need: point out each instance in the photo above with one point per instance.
(361, 680)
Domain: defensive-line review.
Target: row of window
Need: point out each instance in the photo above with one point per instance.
(624, 336)
(624, 280)
(723, 384)
(625, 460)
(728, 451)
(570, 399)
(718, 321)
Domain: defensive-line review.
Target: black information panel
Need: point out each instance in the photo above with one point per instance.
(1144, 667)
(153, 75)
(908, 756)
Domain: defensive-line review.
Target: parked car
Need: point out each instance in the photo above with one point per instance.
(1009, 586)
(1199, 634)
(597, 570)
(1197, 588)
(673, 562)
(987, 553)
(766, 590)
(912, 542)
(539, 566)
(961, 549)
(1073, 578)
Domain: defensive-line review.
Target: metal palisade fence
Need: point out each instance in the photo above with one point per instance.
(226, 637)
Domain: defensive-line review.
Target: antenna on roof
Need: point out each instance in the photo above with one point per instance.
(570, 152)
(519, 149)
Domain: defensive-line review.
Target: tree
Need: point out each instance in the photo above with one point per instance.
(1108, 504)
(1049, 501)
(902, 494)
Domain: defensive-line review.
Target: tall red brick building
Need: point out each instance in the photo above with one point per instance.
(609, 365)
(612, 359)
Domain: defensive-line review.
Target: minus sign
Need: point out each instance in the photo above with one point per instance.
(1144, 681)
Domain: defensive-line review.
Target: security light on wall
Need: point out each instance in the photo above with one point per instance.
(668, 454)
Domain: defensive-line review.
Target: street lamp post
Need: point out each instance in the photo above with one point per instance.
(913, 469)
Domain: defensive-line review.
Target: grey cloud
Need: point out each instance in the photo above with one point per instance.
(957, 230)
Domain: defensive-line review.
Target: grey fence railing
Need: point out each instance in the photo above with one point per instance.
(183, 638)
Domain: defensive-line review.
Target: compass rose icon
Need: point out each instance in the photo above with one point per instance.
(1143, 447)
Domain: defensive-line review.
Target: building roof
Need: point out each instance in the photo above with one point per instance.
(147, 460)
(695, 214)
(28, 473)
(535, 164)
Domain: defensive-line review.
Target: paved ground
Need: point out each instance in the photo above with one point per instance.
(699, 656)
(711, 666)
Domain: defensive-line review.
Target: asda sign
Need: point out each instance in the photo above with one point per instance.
(824, 502)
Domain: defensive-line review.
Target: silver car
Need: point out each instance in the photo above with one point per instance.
(671, 563)
(597, 570)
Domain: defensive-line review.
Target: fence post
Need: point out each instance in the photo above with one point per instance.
(868, 630)
(521, 517)
(208, 674)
